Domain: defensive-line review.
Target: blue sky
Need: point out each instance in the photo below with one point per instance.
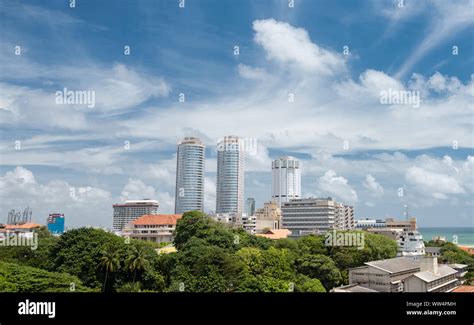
(282, 50)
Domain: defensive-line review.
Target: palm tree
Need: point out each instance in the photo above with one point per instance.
(137, 260)
(110, 262)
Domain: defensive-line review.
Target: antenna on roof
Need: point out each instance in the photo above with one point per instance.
(406, 211)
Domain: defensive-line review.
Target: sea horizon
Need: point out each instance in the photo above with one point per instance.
(464, 235)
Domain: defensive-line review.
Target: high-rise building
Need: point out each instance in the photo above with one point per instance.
(190, 164)
(131, 210)
(56, 223)
(316, 215)
(230, 176)
(286, 179)
(250, 206)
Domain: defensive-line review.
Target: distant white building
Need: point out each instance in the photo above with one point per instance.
(131, 210)
(410, 244)
(315, 216)
(155, 228)
(369, 223)
(286, 179)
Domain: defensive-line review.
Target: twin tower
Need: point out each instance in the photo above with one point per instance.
(190, 175)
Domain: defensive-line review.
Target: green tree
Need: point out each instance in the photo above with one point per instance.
(20, 278)
(110, 263)
(137, 261)
(320, 267)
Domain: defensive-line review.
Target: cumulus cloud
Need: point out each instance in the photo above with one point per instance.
(436, 184)
(332, 185)
(287, 44)
(136, 189)
(371, 184)
(82, 205)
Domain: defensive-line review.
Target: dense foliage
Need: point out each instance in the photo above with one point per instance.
(20, 278)
(210, 257)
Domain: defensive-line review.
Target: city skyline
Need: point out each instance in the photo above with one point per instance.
(315, 84)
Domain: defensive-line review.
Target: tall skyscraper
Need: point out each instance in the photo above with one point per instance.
(131, 210)
(56, 223)
(286, 179)
(230, 175)
(190, 165)
(250, 206)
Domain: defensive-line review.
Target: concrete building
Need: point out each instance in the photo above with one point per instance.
(250, 206)
(131, 210)
(352, 288)
(461, 270)
(247, 222)
(157, 228)
(315, 216)
(411, 244)
(433, 251)
(230, 176)
(384, 275)
(55, 223)
(286, 179)
(190, 165)
(369, 223)
(268, 217)
(392, 233)
(431, 278)
(406, 225)
(344, 217)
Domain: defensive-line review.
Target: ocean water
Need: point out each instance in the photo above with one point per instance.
(465, 235)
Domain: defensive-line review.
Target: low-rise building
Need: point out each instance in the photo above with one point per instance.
(406, 225)
(352, 288)
(157, 228)
(384, 275)
(369, 223)
(433, 251)
(392, 233)
(461, 270)
(431, 278)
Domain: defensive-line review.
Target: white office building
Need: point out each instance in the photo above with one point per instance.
(190, 164)
(132, 210)
(230, 176)
(315, 216)
(286, 179)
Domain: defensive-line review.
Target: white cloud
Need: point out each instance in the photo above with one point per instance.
(136, 189)
(290, 45)
(82, 205)
(373, 186)
(436, 184)
(248, 72)
(338, 186)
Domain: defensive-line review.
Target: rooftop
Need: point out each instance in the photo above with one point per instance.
(432, 249)
(464, 289)
(157, 219)
(443, 270)
(352, 288)
(395, 265)
(28, 225)
(276, 234)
